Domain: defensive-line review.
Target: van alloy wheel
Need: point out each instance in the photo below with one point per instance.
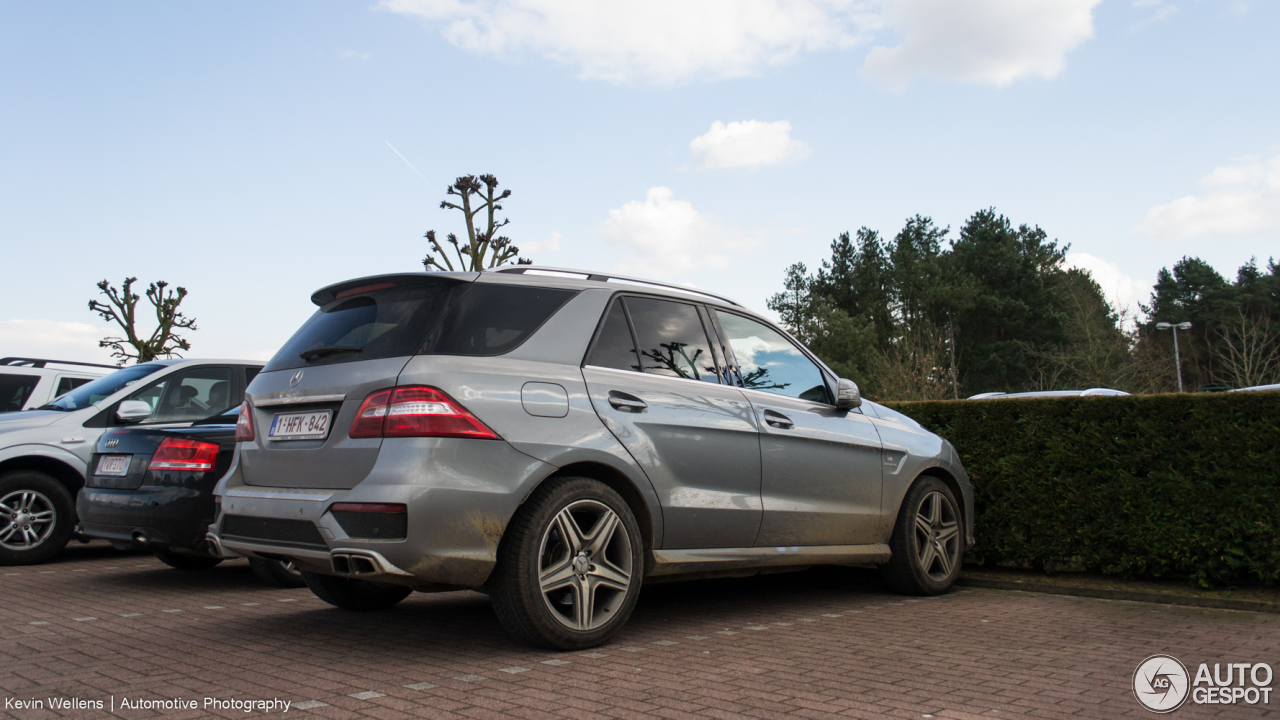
(585, 565)
(27, 518)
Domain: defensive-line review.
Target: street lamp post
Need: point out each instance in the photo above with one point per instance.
(1177, 359)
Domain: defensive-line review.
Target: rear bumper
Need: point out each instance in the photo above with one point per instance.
(459, 496)
(164, 517)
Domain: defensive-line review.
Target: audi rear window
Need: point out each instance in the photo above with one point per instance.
(492, 319)
(379, 323)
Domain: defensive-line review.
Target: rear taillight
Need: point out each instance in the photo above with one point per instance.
(368, 422)
(416, 412)
(244, 424)
(183, 454)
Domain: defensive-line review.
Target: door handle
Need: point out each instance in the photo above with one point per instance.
(778, 420)
(626, 401)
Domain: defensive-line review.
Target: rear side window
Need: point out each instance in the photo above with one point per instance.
(381, 323)
(491, 319)
(15, 389)
(615, 347)
(672, 339)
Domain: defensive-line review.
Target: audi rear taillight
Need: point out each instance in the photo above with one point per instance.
(244, 423)
(183, 454)
(417, 411)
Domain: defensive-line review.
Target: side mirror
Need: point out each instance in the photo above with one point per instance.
(133, 411)
(847, 395)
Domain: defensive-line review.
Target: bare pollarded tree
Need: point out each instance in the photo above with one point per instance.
(122, 307)
(477, 195)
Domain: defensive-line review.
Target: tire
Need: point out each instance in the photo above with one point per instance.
(187, 562)
(559, 586)
(36, 517)
(352, 594)
(277, 573)
(928, 541)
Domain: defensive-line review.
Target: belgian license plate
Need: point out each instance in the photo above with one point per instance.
(113, 465)
(300, 426)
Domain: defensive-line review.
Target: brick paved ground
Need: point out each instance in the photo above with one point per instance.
(98, 624)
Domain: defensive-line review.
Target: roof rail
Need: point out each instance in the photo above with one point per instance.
(606, 277)
(40, 362)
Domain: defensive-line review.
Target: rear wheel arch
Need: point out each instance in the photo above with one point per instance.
(617, 481)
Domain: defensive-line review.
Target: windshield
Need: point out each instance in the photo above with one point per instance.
(90, 393)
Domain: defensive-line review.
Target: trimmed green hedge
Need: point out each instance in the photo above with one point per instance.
(1157, 486)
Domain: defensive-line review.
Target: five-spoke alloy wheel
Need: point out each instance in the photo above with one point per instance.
(585, 565)
(928, 540)
(570, 566)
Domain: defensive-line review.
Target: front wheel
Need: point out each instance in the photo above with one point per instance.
(570, 566)
(928, 541)
(352, 594)
(36, 517)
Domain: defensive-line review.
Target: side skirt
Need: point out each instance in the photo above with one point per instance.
(716, 561)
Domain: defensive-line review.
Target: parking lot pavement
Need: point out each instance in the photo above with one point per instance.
(98, 625)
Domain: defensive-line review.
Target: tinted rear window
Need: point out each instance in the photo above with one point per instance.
(15, 389)
(492, 319)
(391, 322)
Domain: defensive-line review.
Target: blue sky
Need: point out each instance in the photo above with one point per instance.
(244, 150)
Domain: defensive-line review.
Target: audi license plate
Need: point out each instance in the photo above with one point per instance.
(300, 426)
(113, 465)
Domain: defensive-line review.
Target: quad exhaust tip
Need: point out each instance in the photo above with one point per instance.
(361, 563)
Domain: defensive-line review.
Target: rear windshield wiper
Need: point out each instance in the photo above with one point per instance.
(315, 353)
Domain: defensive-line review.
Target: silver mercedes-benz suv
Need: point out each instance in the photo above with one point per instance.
(554, 438)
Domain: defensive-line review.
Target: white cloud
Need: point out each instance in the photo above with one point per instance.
(1122, 290)
(550, 245)
(1242, 199)
(55, 340)
(993, 42)
(660, 41)
(749, 143)
(668, 41)
(664, 236)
